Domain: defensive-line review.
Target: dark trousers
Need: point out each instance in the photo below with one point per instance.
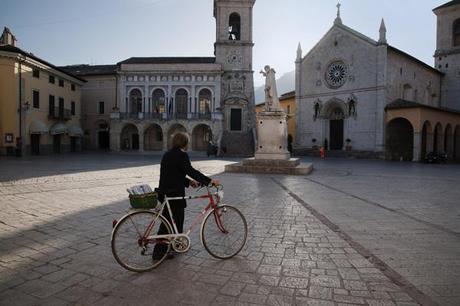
(177, 208)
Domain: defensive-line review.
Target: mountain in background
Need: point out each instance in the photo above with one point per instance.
(284, 84)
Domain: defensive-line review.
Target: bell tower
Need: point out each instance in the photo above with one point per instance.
(447, 55)
(233, 50)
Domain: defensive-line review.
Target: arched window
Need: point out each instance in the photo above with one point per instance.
(456, 33)
(205, 102)
(181, 103)
(408, 93)
(135, 98)
(158, 101)
(234, 27)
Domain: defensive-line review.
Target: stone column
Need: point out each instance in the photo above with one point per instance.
(115, 141)
(169, 101)
(193, 99)
(141, 138)
(146, 99)
(417, 150)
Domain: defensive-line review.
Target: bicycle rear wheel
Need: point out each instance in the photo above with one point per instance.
(224, 232)
(130, 246)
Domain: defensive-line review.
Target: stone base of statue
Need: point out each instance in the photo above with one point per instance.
(272, 136)
(271, 155)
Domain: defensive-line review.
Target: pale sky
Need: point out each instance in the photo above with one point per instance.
(66, 32)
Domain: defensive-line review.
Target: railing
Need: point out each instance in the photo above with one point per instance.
(59, 113)
(173, 116)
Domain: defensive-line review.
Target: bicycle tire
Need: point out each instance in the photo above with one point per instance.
(144, 257)
(226, 242)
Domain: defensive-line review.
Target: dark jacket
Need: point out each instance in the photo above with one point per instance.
(175, 165)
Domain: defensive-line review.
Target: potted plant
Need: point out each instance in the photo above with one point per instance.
(315, 147)
(348, 145)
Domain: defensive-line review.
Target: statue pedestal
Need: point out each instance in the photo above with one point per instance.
(272, 156)
(272, 136)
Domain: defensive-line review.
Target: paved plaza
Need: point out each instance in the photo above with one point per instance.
(354, 232)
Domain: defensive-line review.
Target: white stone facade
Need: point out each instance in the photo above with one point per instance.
(169, 79)
(364, 85)
(345, 82)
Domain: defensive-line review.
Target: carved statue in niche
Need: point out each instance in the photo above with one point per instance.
(317, 109)
(352, 106)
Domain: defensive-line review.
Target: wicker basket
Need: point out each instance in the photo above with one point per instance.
(144, 201)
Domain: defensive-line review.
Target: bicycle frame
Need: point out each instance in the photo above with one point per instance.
(199, 218)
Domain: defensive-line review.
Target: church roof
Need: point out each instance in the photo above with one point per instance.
(169, 60)
(86, 70)
(416, 60)
(400, 103)
(451, 3)
(287, 95)
(13, 49)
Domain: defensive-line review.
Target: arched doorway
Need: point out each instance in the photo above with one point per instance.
(181, 103)
(173, 130)
(437, 143)
(153, 138)
(448, 141)
(427, 139)
(129, 137)
(399, 140)
(135, 98)
(456, 154)
(336, 129)
(201, 136)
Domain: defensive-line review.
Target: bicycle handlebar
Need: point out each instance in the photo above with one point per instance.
(218, 187)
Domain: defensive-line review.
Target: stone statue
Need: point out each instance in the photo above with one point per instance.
(272, 102)
(352, 108)
(317, 108)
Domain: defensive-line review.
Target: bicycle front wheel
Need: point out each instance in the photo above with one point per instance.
(132, 247)
(224, 232)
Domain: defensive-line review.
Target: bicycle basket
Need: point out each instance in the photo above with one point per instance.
(144, 201)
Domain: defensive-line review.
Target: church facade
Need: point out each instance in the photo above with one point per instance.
(357, 94)
(151, 98)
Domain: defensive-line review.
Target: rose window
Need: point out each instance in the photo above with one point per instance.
(336, 74)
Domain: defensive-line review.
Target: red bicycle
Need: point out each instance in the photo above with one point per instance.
(223, 233)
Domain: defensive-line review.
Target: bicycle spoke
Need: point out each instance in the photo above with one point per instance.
(134, 250)
(224, 234)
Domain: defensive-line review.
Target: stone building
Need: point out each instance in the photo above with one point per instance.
(40, 108)
(364, 95)
(151, 98)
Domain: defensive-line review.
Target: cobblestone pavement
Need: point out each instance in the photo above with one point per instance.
(354, 232)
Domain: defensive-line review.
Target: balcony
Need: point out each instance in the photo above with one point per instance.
(59, 113)
(167, 116)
